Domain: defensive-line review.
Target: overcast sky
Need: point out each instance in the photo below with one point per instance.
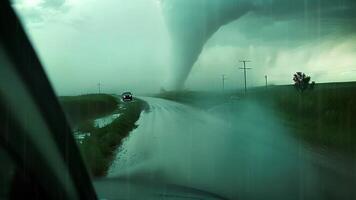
(132, 44)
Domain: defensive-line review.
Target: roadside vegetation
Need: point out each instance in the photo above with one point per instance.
(98, 148)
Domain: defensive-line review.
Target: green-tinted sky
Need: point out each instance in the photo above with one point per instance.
(131, 44)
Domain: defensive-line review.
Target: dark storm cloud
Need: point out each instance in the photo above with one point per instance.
(53, 3)
(299, 21)
(286, 9)
(313, 17)
(313, 11)
(38, 11)
(32, 15)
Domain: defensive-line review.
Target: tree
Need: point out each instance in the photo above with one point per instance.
(302, 82)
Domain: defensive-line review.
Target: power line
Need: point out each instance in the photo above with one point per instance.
(245, 68)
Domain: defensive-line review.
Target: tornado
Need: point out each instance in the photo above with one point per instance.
(191, 23)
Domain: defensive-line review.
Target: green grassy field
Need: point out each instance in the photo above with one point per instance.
(324, 117)
(81, 108)
(98, 149)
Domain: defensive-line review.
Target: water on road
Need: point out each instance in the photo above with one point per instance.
(238, 150)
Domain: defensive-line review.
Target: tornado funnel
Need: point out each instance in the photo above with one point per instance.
(191, 23)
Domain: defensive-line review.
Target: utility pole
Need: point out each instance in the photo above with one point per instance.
(266, 80)
(223, 81)
(99, 85)
(245, 68)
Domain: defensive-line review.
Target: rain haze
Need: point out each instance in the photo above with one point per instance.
(146, 45)
(185, 116)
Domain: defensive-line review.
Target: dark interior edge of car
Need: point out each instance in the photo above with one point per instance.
(24, 65)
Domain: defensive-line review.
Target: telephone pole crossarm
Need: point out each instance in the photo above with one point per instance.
(245, 68)
(99, 87)
(266, 79)
(223, 81)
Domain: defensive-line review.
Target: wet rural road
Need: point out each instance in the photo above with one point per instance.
(237, 150)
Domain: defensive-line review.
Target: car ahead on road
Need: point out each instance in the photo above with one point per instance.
(126, 96)
(50, 166)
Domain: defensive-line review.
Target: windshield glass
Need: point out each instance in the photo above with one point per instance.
(244, 99)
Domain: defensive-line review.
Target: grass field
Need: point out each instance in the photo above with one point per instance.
(324, 117)
(80, 108)
(99, 147)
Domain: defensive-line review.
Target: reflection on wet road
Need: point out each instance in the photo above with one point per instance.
(238, 150)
